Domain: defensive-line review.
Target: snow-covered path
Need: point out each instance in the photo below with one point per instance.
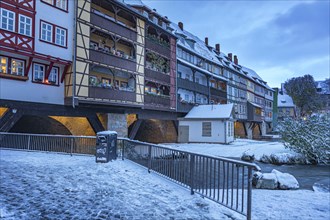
(54, 186)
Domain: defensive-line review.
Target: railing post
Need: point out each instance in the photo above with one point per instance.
(249, 194)
(29, 141)
(71, 147)
(192, 169)
(123, 149)
(149, 158)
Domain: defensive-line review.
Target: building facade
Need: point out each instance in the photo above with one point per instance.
(36, 51)
(118, 63)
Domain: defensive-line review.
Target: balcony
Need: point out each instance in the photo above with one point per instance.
(107, 22)
(184, 107)
(157, 76)
(157, 100)
(219, 93)
(104, 93)
(192, 86)
(109, 59)
(161, 49)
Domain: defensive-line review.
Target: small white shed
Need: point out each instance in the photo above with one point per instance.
(208, 124)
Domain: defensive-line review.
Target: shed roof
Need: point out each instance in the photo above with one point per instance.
(284, 100)
(211, 112)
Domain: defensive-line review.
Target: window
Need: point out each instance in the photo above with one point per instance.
(60, 36)
(3, 64)
(46, 32)
(53, 75)
(61, 4)
(17, 67)
(206, 129)
(7, 20)
(12, 66)
(25, 25)
(38, 72)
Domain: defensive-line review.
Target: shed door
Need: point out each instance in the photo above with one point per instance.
(183, 134)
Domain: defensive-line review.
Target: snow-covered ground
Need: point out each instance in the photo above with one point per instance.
(235, 149)
(54, 186)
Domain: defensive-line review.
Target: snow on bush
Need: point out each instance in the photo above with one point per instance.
(309, 136)
(283, 158)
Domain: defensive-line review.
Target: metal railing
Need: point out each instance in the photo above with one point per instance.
(225, 181)
(45, 142)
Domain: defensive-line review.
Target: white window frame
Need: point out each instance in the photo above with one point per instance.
(62, 4)
(27, 28)
(2, 17)
(19, 68)
(38, 72)
(44, 32)
(58, 36)
(53, 75)
(3, 65)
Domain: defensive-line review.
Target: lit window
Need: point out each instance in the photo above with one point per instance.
(60, 36)
(46, 32)
(17, 67)
(25, 25)
(3, 65)
(38, 72)
(7, 20)
(53, 75)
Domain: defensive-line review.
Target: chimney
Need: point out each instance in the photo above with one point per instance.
(235, 60)
(230, 56)
(180, 25)
(207, 41)
(217, 48)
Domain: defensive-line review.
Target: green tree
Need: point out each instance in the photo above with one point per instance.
(304, 95)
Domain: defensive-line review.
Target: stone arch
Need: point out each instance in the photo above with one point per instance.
(39, 125)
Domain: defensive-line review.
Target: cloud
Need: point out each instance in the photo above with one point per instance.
(277, 39)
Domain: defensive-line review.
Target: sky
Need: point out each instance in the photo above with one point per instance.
(279, 39)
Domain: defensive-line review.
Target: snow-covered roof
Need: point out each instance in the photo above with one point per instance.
(323, 87)
(254, 104)
(201, 69)
(211, 112)
(284, 100)
(199, 47)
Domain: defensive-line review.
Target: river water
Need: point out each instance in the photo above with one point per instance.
(306, 175)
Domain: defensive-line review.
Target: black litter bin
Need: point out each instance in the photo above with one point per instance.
(106, 146)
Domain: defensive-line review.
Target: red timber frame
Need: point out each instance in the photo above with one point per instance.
(16, 43)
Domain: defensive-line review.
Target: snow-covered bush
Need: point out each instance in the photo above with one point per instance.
(283, 158)
(309, 136)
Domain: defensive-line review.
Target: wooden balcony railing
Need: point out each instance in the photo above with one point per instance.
(192, 86)
(157, 76)
(111, 94)
(184, 107)
(161, 49)
(110, 24)
(113, 60)
(155, 100)
(219, 93)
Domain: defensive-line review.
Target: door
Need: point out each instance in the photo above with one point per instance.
(183, 134)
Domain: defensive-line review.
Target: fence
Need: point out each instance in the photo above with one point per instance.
(43, 142)
(225, 181)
